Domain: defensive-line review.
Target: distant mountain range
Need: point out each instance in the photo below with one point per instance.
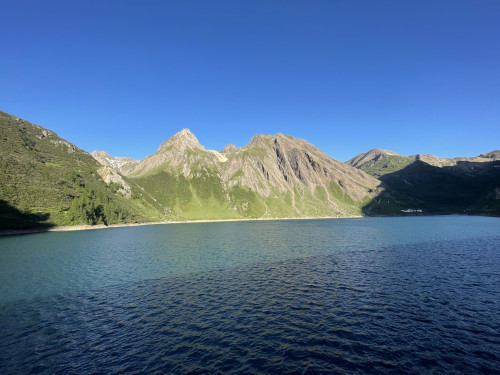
(433, 184)
(45, 180)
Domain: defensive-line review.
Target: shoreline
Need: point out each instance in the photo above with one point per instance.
(73, 228)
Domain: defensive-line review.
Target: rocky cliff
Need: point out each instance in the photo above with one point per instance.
(122, 165)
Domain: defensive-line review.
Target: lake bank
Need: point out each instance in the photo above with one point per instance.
(70, 228)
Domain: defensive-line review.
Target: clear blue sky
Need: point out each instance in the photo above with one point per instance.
(123, 76)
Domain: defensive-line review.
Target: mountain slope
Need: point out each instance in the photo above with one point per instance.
(122, 165)
(282, 166)
(273, 176)
(366, 157)
(379, 162)
(45, 180)
(436, 185)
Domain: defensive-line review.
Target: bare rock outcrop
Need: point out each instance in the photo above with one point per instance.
(109, 175)
(122, 165)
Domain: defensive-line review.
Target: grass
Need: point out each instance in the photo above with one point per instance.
(386, 164)
(41, 174)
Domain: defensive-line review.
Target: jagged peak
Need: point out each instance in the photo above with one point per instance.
(186, 134)
(185, 137)
(258, 139)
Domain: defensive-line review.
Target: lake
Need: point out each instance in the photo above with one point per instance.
(405, 295)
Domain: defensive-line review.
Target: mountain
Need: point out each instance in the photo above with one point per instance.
(446, 162)
(122, 165)
(366, 157)
(495, 155)
(433, 184)
(273, 176)
(378, 162)
(45, 180)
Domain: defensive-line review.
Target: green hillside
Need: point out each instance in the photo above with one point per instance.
(437, 190)
(386, 164)
(45, 180)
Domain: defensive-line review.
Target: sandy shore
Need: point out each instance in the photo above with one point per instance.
(11, 232)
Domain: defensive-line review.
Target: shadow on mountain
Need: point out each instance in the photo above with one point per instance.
(465, 188)
(12, 218)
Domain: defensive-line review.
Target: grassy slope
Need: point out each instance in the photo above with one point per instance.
(46, 180)
(205, 197)
(433, 189)
(386, 164)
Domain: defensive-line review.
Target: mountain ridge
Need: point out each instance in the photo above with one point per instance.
(439, 185)
(45, 180)
(279, 175)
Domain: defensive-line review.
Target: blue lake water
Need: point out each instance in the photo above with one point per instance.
(374, 295)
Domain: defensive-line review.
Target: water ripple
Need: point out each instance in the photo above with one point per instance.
(420, 308)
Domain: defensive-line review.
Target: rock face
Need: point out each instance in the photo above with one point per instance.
(180, 154)
(122, 165)
(109, 175)
(272, 176)
(284, 163)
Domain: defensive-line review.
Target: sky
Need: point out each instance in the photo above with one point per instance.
(123, 76)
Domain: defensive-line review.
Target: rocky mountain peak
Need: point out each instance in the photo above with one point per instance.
(122, 165)
(182, 140)
(259, 140)
(180, 153)
(229, 149)
(187, 134)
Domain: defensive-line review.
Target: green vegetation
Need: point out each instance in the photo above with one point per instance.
(45, 176)
(248, 202)
(244, 153)
(438, 190)
(46, 181)
(237, 174)
(386, 164)
(11, 217)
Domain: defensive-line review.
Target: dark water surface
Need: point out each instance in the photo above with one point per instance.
(380, 295)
